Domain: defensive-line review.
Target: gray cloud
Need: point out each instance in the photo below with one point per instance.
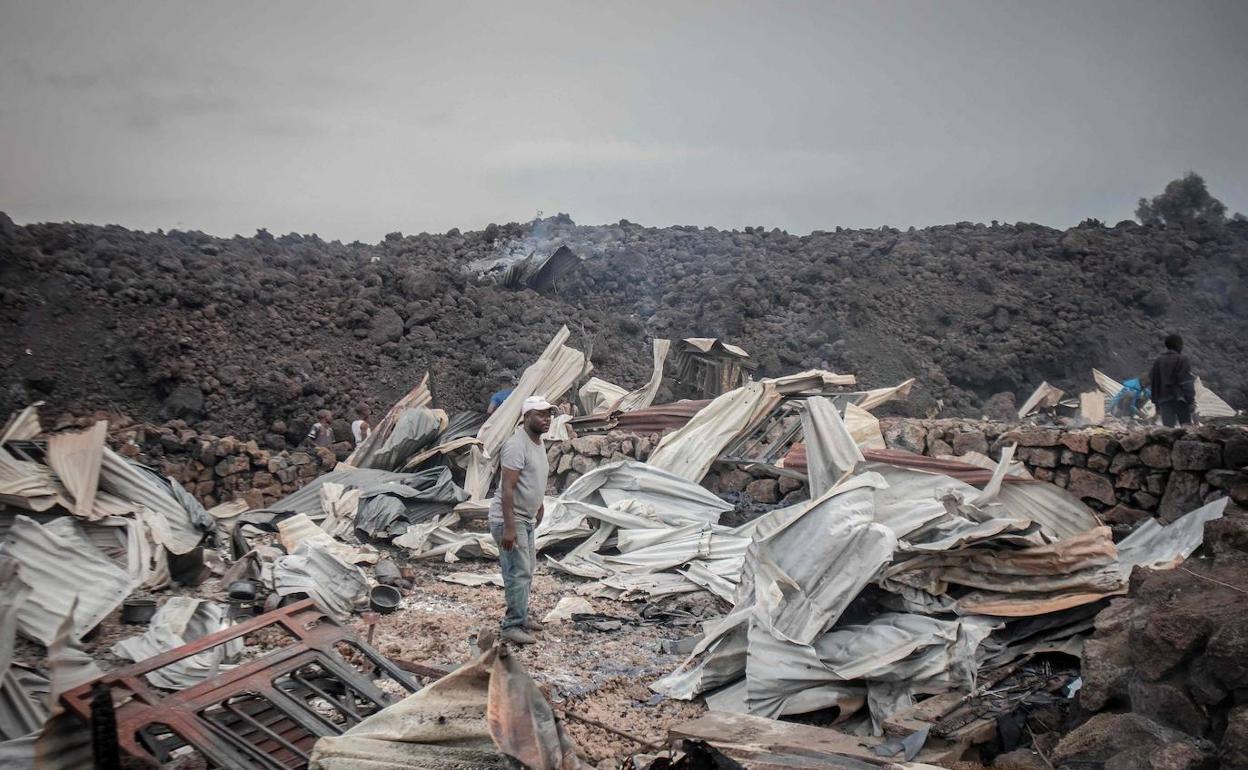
(356, 121)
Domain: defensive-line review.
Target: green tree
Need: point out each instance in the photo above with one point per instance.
(1185, 201)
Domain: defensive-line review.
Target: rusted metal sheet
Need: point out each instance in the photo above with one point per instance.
(265, 713)
(653, 419)
(964, 472)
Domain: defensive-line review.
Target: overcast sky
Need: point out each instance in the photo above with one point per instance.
(353, 120)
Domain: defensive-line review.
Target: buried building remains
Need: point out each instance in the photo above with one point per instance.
(766, 573)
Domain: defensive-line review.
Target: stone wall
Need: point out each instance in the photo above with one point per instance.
(1127, 474)
(1124, 474)
(569, 460)
(219, 469)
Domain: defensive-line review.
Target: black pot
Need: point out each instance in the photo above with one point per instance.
(138, 611)
(242, 591)
(384, 599)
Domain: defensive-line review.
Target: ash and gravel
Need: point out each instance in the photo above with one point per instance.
(601, 675)
(597, 674)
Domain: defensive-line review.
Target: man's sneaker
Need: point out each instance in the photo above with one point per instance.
(533, 625)
(517, 635)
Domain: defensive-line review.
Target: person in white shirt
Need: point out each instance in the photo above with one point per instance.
(360, 427)
(516, 511)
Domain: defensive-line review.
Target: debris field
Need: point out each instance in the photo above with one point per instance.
(762, 573)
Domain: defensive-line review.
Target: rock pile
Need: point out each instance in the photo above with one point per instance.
(1174, 657)
(218, 469)
(234, 334)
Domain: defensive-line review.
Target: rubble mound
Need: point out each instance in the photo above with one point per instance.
(238, 334)
(1167, 665)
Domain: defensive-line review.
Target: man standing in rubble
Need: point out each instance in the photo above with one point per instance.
(516, 510)
(1174, 388)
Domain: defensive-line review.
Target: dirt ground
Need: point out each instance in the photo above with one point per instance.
(603, 675)
(597, 674)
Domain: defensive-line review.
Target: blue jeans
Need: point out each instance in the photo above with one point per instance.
(517, 566)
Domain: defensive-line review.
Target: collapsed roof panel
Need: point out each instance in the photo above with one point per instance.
(76, 458)
(185, 520)
(60, 571)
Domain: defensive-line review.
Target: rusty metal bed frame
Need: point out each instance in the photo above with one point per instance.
(265, 713)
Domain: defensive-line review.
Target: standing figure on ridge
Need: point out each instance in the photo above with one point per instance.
(1174, 387)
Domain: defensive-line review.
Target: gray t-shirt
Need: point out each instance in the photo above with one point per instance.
(521, 454)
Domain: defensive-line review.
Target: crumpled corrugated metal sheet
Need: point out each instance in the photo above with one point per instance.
(61, 571)
(1043, 397)
(180, 620)
(924, 653)
(985, 562)
(76, 457)
(25, 484)
(654, 419)
(798, 596)
(522, 722)
(643, 397)
(22, 710)
(1162, 546)
(864, 427)
(597, 395)
(414, 429)
(718, 659)
(673, 499)
(23, 426)
(336, 586)
(467, 719)
(812, 382)
(423, 494)
(831, 450)
(689, 451)
(873, 398)
(185, 520)
(661, 549)
(340, 506)
(299, 529)
(916, 484)
(1057, 512)
(626, 587)
(1022, 582)
(62, 743)
(956, 469)
(1209, 404)
(418, 396)
(658, 521)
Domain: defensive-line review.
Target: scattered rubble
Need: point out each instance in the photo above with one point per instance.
(918, 592)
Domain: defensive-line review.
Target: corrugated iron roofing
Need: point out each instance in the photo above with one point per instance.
(76, 457)
(653, 419)
(964, 472)
(58, 569)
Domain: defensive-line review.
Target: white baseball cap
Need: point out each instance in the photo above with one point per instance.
(536, 404)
